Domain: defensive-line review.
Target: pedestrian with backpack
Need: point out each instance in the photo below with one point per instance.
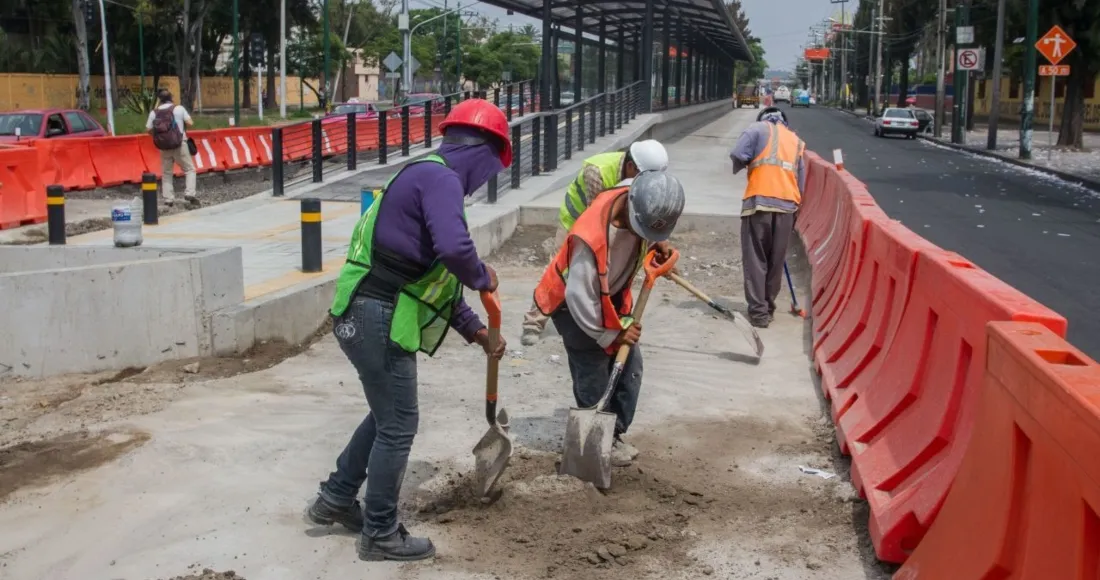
(167, 124)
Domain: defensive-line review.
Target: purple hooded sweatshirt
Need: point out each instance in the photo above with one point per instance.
(423, 218)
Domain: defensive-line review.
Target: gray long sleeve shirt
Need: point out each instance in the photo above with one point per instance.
(582, 288)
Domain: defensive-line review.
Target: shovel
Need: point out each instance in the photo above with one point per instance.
(743, 325)
(589, 433)
(492, 452)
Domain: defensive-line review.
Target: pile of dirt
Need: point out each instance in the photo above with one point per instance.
(530, 246)
(207, 574)
(38, 462)
(655, 517)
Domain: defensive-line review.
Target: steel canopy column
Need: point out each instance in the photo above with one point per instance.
(645, 52)
(548, 57)
(620, 64)
(601, 62)
(578, 52)
(664, 56)
(688, 78)
(557, 71)
(680, 61)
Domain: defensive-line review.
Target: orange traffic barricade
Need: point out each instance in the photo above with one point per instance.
(261, 136)
(239, 147)
(22, 194)
(118, 160)
(849, 257)
(908, 434)
(849, 356)
(366, 135)
(1026, 502)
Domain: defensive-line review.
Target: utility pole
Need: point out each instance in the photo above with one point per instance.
(958, 120)
(107, 69)
(443, 51)
(1028, 115)
(326, 46)
(843, 35)
(941, 89)
(998, 56)
(406, 43)
(282, 58)
(236, 64)
(878, 65)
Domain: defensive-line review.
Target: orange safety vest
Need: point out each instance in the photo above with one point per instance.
(774, 172)
(590, 229)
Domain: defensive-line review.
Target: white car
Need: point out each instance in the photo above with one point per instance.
(783, 95)
(897, 121)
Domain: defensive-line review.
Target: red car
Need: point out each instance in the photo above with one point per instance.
(21, 126)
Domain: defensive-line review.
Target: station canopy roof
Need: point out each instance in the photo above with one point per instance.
(706, 18)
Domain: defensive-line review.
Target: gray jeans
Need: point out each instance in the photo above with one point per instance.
(764, 239)
(590, 367)
(378, 452)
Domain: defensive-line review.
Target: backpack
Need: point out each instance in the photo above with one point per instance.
(166, 134)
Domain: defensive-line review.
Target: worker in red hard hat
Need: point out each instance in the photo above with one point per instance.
(397, 294)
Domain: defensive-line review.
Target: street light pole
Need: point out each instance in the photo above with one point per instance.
(236, 64)
(107, 69)
(406, 41)
(282, 58)
(998, 55)
(1027, 117)
(328, 50)
(941, 49)
(878, 64)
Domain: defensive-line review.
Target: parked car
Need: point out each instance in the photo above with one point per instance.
(567, 98)
(48, 124)
(801, 99)
(361, 110)
(416, 102)
(514, 105)
(925, 119)
(897, 121)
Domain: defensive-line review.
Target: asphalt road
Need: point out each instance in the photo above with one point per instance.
(1036, 233)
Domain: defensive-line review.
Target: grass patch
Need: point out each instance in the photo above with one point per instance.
(130, 123)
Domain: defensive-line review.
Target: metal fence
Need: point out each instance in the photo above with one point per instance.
(540, 139)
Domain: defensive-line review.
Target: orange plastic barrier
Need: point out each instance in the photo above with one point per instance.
(366, 135)
(844, 256)
(297, 142)
(118, 160)
(239, 147)
(211, 152)
(907, 434)
(1026, 502)
(261, 136)
(22, 194)
(849, 354)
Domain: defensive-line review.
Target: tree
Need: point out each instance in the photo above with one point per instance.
(82, 64)
(1081, 21)
(505, 51)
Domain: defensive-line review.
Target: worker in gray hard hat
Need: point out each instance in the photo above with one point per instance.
(586, 290)
(598, 173)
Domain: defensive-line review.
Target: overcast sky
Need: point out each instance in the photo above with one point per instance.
(783, 25)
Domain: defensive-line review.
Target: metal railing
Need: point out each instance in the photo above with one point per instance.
(541, 141)
(309, 150)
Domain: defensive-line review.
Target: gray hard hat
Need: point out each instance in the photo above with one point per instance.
(656, 202)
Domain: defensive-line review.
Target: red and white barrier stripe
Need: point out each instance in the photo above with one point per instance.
(838, 159)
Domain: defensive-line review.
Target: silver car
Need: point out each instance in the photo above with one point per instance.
(895, 121)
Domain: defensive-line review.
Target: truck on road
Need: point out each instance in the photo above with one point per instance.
(747, 95)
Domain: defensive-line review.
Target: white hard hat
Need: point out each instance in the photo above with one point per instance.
(649, 155)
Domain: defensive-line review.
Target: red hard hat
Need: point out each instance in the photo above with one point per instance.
(483, 115)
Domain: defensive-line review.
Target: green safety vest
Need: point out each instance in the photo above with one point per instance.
(576, 198)
(423, 309)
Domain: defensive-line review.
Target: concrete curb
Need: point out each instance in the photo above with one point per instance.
(1090, 183)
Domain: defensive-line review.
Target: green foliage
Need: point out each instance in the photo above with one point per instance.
(484, 63)
(139, 102)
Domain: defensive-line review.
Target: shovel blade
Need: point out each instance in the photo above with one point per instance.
(587, 453)
(491, 454)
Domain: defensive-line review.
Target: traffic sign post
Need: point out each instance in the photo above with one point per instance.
(1054, 46)
(970, 59)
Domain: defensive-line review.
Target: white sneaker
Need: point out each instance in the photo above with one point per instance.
(631, 450)
(620, 455)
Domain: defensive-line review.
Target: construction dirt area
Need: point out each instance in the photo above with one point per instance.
(203, 469)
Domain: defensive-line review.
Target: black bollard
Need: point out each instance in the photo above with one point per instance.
(311, 235)
(55, 214)
(149, 214)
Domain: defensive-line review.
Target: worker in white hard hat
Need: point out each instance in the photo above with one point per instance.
(598, 173)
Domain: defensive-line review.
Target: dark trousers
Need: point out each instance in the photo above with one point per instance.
(378, 451)
(764, 239)
(590, 367)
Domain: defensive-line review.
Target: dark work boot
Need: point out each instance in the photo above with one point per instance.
(398, 546)
(324, 513)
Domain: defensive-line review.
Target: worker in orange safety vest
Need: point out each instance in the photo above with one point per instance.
(586, 290)
(773, 155)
